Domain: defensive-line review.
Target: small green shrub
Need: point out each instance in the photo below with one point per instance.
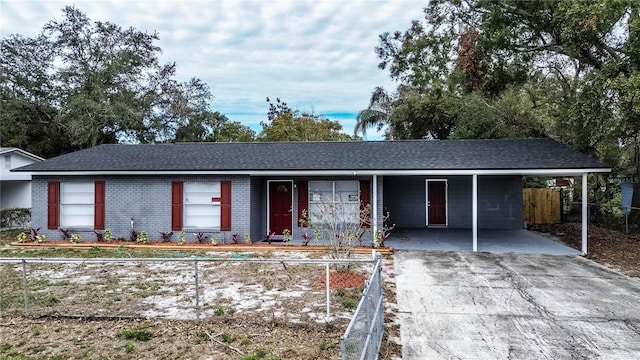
(245, 341)
(50, 300)
(74, 238)
(143, 237)
(22, 237)
(41, 282)
(4, 302)
(5, 346)
(136, 334)
(348, 303)
(218, 310)
(257, 354)
(129, 347)
(35, 331)
(226, 337)
(18, 217)
(108, 236)
(325, 346)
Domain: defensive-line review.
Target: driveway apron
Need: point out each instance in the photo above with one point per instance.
(462, 305)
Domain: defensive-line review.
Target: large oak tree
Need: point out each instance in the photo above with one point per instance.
(81, 83)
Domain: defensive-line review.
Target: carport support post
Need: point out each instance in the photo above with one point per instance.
(374, 206)
(474, 209)
(584, 213)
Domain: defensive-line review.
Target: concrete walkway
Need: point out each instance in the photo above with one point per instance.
(456, 305)
(497, 241)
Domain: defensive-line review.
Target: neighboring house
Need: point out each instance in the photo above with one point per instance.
(15, 187)
(259, 187)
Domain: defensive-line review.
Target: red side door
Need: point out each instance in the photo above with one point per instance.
(279, 206)
(437, 202)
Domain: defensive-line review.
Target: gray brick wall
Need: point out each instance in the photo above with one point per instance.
(405, 200)
(146, 199)
(258, 208)
(499, 201)
(500, 198)
(459, 197)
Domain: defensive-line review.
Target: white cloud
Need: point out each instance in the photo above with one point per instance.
(313, 54)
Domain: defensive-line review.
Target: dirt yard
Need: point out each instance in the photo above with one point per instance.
(611, 248)
(81, 310)
(144, 317)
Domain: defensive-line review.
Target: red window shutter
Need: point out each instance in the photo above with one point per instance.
(176, 206)
(53, 203)
(98, 214)
(365, 199)
(303, 201)
(225, 205)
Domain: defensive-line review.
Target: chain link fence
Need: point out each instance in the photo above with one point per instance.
(293, 290)
(607, 215)
(363, 336)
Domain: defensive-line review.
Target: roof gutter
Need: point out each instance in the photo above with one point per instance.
(530, 172)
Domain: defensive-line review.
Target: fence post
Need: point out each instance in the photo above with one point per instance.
(326, 281)
(195, 267)
(626, 221)
(25, 286)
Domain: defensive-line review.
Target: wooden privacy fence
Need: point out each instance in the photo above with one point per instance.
(541, 206)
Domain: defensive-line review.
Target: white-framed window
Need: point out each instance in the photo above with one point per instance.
(202, 204)
(77, 204)
(345, 194)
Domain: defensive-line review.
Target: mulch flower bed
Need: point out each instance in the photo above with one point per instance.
(164, 245)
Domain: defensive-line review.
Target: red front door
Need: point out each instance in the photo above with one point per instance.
(279, 206)
(436, 202)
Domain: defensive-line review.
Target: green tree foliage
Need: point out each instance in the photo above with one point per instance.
(28, 112)
(214, 127)
(568, 69)
(285, 124)
(81, 83)
(376, 114)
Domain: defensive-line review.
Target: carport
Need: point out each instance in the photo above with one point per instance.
(473, 189)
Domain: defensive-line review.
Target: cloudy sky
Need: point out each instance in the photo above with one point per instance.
(316, 55)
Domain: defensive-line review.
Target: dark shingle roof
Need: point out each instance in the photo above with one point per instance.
(369, 155)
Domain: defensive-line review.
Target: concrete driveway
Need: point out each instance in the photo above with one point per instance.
(459, 305)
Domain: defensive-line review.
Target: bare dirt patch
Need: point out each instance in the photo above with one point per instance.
(80, 309)
(611, 248)
(216, 338)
